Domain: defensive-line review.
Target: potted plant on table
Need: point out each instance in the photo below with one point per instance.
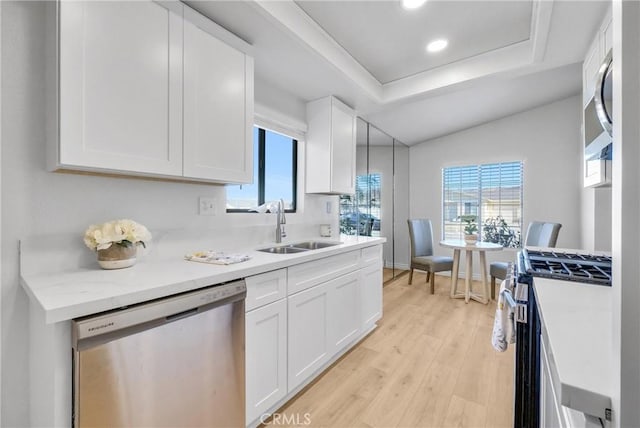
(470, 229)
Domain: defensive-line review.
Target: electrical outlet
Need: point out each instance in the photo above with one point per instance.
(206, 206)
(328, 207)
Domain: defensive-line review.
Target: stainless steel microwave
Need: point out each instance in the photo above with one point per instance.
(598, 121)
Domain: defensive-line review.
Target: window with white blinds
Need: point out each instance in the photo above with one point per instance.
(492, 193)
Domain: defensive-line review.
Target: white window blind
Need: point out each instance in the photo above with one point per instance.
(490, 192)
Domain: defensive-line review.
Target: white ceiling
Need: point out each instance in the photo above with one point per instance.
(396, 49)
(504, 57)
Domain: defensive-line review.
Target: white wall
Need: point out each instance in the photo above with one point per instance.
(35, 202)
(546, 139)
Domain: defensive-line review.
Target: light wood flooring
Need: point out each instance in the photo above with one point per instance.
(387, 275)
(429, 364)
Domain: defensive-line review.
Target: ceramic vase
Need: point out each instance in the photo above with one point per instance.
(470, 239)
(117, 256)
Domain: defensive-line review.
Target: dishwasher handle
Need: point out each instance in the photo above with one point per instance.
(165, 309)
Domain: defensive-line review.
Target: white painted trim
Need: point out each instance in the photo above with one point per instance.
(1, 377)
(540, 26)
(292, 18)
(625, 342)
(447, 78)
(266, 117)
(207, 25)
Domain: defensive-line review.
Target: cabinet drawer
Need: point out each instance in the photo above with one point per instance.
(306, 275)
(265, 288)
(371, 255)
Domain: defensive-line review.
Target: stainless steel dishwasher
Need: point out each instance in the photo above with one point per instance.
(172, 362)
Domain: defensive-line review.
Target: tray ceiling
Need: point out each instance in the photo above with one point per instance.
(504, 56)
(389, 41)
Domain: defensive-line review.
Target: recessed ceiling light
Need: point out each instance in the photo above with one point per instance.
(412, 4)
(437, 45)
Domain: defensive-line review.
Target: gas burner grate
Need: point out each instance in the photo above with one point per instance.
(595, 269)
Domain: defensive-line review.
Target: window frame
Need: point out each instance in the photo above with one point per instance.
(262, 148)
(481, 220)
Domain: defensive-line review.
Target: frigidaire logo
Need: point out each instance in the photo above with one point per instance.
(101, 326)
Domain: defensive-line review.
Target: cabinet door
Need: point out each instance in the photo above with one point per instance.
(590, 70)
(330, 147)
(550, 408)
(343, 149)
(120, 106)
(344, 310)
(308, 333)
(218, 105)
(266, 358)
(371, 294)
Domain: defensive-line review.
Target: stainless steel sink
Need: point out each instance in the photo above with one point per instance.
(283, 250)
(315, 245)
(299, 247)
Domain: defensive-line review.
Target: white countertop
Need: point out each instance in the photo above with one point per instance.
(78, 292)
(577, 321)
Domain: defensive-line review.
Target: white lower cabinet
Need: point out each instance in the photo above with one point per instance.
(266, 358)
(371, 294)
(330, 303)
(552, 413)
(550, 409)
(309, 345)
(344, 310)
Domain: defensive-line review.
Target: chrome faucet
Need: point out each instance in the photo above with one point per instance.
(281, 220)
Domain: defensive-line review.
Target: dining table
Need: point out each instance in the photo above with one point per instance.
(459, 245)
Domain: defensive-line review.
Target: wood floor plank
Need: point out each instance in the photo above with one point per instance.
(479, 367)
(428, 364)
(428, 407)
(389, 405)
(347, 405)
(465, 414)
(500, 415)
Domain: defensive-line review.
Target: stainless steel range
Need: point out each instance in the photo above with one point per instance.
(530, 264)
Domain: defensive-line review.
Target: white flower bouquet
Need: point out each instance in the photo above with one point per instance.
(125, 233)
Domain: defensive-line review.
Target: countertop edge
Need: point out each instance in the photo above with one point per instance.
(36, 285)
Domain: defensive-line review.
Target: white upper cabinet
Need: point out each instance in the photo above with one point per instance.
(600, 46)
(218, 105)
(590, 70)
(152, 88)
(330, 147)
(120, 87)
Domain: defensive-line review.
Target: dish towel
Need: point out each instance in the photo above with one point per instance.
(504, 331)
(216, 258)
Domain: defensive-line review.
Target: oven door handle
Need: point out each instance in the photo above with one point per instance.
(519, 309)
